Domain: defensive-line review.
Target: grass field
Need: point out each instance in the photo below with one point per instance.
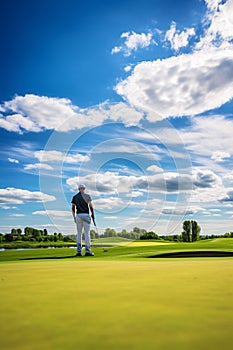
(119, 299)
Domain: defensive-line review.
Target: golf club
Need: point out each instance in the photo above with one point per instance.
(95, 226)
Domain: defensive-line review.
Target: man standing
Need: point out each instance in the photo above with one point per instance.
(81, 203)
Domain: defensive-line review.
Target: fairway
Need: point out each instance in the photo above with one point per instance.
(146, 243)
(105, 304)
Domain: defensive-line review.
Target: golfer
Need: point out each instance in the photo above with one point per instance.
(81, 203)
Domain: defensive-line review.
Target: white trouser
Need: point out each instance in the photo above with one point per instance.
(83, 221)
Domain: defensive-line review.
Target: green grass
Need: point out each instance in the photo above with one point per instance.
(119, 299)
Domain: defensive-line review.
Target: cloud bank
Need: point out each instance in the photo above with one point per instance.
(12, 195)
(38, 113)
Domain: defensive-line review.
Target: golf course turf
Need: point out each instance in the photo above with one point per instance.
(118, 299)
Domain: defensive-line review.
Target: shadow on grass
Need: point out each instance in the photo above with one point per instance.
(193, 254)
(51, 257)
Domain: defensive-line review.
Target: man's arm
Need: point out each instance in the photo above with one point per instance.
(92, 210)
(74, 211)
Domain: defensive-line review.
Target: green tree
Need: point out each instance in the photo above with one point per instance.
(94, 234)
(186, 234)
(191, 231)
(9, 237)
(149, 235)
(109, 232)
(123, 234)
(60, 237)
(28, 231)
(196, 229)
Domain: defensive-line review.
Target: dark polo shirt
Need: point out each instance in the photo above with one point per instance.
(81, 201)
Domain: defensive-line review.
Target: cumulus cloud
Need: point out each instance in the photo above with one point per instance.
(219, 31)
(12, 160)
(12, 195)
(228, 197)
(154, 169)
(128, 68)
(206, 178)
(170, 182)
(37, 113)
(108, 203)
(135, 194)
(133, 42)
(124, 145)
(54, 156)
(57, 213)
(207, 133)
(178, 39)
(182, 211)
(219, 156)
(17, 123)
(17, 215)
(188, 84)
(37, 166)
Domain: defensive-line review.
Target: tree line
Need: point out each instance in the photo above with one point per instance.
(191, 233)
(32, 234)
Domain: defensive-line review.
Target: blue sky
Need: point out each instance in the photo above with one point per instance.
(132, 98)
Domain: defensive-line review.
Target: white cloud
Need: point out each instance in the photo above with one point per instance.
(124, 145)
(228, 176)
(57, 213)
(154, 169)
(135, 194)
(184, 85)
(37, 166)
(219, 31)
(219, 156)
(206, 178)
(108, 203)
(124, 113)
(182, 211)
(208, 133)
(228, 197)
(16, 123)
(116, 49)
(188, 84)
(12, 160)
(128, 68)
(18, 215)
(133, 42)
(54, 156)
(38, 113)
(5, 207)
(170, 182)
(111, 217)
(49, 156)
(18, 196)
(213, 4)
(178, 39)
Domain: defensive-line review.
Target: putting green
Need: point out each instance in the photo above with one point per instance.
(88, 303)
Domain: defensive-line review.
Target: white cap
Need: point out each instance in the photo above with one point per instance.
(81, 186)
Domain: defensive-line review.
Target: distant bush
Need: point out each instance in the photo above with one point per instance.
(149, 235)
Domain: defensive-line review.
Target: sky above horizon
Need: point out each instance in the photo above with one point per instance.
(131, 98)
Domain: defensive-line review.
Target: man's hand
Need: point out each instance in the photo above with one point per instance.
(74, 212)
